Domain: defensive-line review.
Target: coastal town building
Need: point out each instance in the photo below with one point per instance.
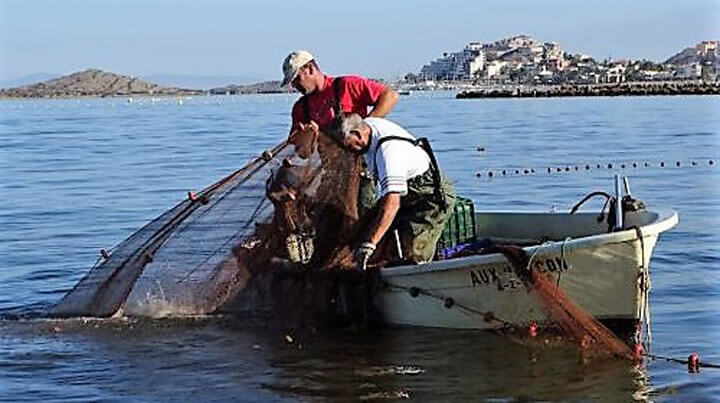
(524, 60)
(689, 71)
(701, 61)
(615, 74)
(494, 68)
(463, 65)
(515, 58)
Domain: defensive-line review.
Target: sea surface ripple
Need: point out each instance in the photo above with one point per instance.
(79, 175)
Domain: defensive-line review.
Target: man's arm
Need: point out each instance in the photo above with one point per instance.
(385, 103)
(389, 206)
(295, 116)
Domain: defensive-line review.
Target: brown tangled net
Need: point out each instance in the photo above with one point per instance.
(273, 237)
(572, 320)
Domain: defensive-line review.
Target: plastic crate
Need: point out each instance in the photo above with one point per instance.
(460, 226)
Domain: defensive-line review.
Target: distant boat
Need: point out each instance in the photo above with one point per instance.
(405, 92)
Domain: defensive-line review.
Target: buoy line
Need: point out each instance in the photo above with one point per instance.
(555, 170)
(693, 361)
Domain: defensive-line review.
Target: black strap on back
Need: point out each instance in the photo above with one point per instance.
(434, 168)
(337, 87)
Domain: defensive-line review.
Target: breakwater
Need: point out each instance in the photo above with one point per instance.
(595, 90)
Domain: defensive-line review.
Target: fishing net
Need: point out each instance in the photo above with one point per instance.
(573, 322)
(292, 210)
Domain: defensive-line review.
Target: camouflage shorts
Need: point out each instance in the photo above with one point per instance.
(422, 216)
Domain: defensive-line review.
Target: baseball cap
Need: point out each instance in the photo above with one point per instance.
(293, 63)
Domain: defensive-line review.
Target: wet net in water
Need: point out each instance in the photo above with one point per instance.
(573, 322)
(279, 213)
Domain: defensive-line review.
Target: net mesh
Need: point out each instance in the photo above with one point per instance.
(573, 322)
(278, 212)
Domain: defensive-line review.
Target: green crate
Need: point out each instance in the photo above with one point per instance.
(460, 226)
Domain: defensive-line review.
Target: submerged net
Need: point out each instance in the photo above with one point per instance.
(572, 320)
(282, 212)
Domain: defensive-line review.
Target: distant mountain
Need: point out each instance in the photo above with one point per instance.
(29, 79)
(197, 81)
(94, 83)
(702, 52)
(265, 87)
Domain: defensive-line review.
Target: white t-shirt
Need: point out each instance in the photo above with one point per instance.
(396, 161)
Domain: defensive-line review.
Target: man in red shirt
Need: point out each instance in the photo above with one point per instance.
(321, 93)
(314, 112)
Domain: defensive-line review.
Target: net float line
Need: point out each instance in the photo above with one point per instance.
(693, 361)
(562, 169)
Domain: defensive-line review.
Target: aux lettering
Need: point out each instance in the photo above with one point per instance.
(491, 275)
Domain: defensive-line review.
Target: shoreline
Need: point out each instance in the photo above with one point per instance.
(642, 88)
(141, 96)
(133, 96)
(101, 96)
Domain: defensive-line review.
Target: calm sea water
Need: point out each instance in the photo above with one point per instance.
(80, 175)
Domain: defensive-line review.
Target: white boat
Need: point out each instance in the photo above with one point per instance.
(606, 273)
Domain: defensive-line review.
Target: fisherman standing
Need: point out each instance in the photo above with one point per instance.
(415, 196)
(321, 93)
(324, 96)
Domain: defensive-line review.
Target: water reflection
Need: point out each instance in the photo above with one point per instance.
(230, 358)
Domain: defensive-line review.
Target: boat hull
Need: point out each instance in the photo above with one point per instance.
(607, 274)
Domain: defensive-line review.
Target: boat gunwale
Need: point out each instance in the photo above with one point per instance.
(666, 219)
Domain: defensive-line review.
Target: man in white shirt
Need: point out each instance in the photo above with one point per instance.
(414, 196)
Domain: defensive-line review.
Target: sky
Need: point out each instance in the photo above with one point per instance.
(248, 40)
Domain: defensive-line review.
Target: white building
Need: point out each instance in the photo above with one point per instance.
(706, 47)
(519, 41)
(689, 71)
(463, 65)
(515, 58)
(615, 74)
(494, 68)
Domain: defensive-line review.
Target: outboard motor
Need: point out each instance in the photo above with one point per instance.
(616, 211)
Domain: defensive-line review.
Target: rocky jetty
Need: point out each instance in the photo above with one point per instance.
(93, 83)
(596, 90)
(265, 87)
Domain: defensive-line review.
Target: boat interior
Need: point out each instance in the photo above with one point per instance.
(535, 228)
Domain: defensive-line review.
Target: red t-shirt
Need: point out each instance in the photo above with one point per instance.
(356, 93)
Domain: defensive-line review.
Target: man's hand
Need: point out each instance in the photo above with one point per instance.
(303, 129)
(364, 252)
(304, 137)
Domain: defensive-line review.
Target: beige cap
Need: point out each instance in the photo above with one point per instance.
(293, 63)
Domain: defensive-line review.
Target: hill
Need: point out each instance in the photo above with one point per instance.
(265, 87)
(197, 80)
(93, 83)
(705, 51)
